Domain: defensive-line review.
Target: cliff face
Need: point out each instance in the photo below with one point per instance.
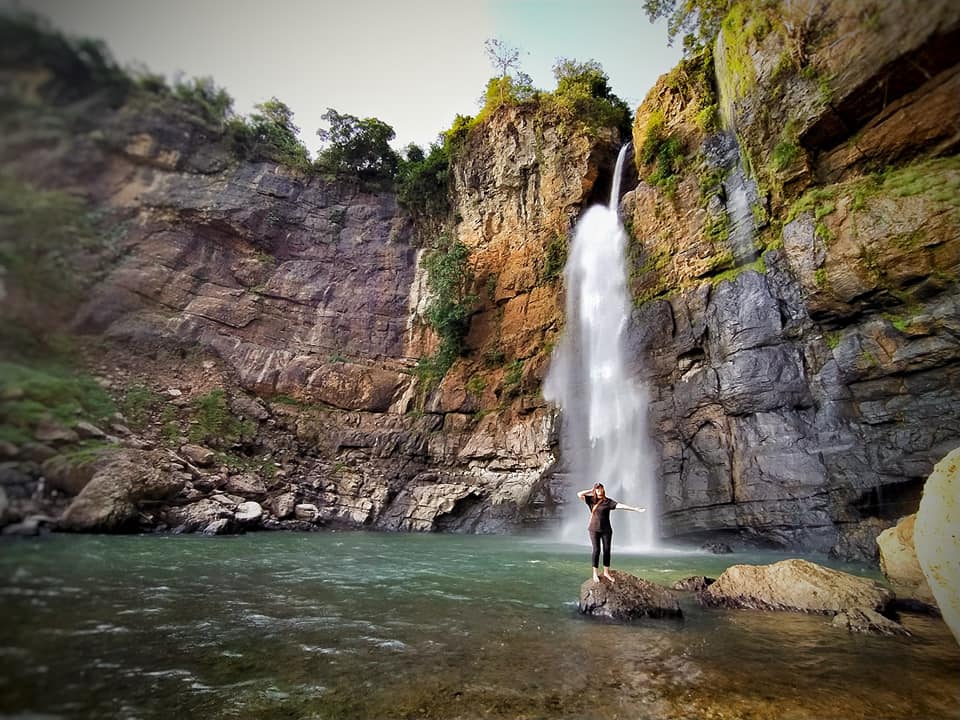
(800, 327)
(305, 293)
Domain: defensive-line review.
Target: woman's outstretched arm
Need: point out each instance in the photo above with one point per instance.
(623, 506)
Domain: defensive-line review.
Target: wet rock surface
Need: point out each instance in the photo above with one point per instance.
(629, 598)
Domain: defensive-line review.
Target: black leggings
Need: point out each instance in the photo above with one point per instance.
(595, 538)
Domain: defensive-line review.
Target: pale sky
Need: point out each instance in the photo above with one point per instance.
(414, 64)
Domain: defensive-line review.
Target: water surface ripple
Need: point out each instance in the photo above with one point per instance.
(364, 625)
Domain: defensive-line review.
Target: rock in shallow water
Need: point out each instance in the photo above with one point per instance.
(629, 598)
(868, 621)
(797, 585)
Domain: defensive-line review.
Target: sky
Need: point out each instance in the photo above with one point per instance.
(414, 64)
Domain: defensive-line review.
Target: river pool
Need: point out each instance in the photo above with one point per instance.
(371, 625)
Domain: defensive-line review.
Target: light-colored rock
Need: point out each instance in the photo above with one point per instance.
(110, 501)
(197, 516)
(245, 485)
(223, 526)
(248, 407)
(228, 500)
(629, 598)
(8, 450)
(898, 561)
(797, 585)
(936, 536)
(248, 513)
(306, 511)
(198, 454)
(174, 392)
(88, 431)
(282, 506)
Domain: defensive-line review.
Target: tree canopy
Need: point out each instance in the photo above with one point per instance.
(357, 147)
(699, 20)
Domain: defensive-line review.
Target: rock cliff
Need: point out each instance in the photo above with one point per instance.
(796, 276)
(297, 299)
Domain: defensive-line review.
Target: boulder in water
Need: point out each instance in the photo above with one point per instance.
(629, 598)
(898, 561)
(249, 513)
(197, 516)
(110, 501)
(797, 585)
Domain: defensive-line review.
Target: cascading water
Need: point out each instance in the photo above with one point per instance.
(603, 408)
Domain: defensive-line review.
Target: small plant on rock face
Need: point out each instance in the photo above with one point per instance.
(449, 278)
(476, 385)
(555, 259)
(215, 424)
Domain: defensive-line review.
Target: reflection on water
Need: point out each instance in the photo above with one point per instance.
(356, 625)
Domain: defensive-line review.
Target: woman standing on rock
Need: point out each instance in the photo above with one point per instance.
(600, 529)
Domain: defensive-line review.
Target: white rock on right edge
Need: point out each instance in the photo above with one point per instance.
(936, 537)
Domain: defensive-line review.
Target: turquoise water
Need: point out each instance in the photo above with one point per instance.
(364, 625)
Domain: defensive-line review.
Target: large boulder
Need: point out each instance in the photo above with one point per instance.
(629, 598)
(245, 485)
(937, 537)
(797, 585)
(898, 560)
(249, 513)
(197, 516)
(283, 505)
(110, 502)
(71, 473)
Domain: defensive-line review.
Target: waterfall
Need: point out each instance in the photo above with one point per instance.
(603, 408)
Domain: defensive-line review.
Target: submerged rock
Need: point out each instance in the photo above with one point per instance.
(864, 620)
(629, 598)
(797, 585)
(697, 583)
(716, 548)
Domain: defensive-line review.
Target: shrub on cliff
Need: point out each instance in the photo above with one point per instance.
(269, 134)
(423, 184)
(584, 92)
(357, 148)
(201, 95)
(449, 277)
(78, 66)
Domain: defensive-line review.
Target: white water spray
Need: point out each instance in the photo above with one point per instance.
(603, 408)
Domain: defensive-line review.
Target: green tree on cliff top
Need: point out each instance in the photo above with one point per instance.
(358, 148)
